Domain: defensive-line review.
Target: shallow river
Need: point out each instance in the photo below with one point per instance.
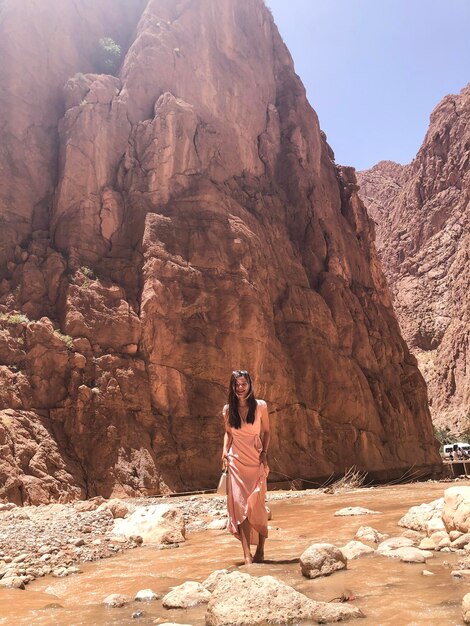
(387, 591)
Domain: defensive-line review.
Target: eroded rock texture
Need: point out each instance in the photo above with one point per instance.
(169, 224)
(422, 216)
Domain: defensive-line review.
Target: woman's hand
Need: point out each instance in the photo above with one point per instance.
(224, 461)
(263, 458)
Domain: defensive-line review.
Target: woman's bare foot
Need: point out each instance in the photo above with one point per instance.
(249, 560)
(259, 556)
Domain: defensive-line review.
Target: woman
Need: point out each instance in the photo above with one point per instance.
(246, 443)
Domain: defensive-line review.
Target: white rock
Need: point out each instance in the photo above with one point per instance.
(454, 534)
(435, 524)
(444, 543)
(20, 558)
(393, 543)
(355, 549)
(213, 578)
(115, 600)
(456, 513)
(217, 524)
(156, 524)
(427, 544)
(418, 516)
(426, 572)
(12, 582)
(322, 559)
(367, 533)
(408, 554)
(6, 506)
(146, 595)
(466, 608)
(185, 596)
(460, 542)
(116, 507)
(355, 510)
(438, 536)
(243, 600)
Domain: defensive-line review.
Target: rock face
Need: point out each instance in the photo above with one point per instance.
(165, 225)
(422, 216)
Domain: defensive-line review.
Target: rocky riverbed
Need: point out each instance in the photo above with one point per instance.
(54, 539)
(314, 537)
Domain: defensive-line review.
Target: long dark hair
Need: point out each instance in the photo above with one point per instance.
(234, 418)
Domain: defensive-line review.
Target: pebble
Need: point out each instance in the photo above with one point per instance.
(426, 572)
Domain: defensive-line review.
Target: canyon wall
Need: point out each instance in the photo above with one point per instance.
(422, 212)
(166, 225)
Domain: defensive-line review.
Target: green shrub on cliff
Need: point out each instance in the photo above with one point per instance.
(108, 56)
(88, 272)
(14, 318)
(67, 339)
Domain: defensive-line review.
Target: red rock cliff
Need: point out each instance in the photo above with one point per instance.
(169, 224)
(422, 216)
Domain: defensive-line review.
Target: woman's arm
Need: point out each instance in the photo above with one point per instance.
(227, 438)
(264, 433)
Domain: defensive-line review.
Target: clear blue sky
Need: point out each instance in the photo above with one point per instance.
(375, 69)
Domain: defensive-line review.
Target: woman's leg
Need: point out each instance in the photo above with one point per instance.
(245, 528)
(259, 554)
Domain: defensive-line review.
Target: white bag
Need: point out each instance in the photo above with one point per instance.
(222, 486)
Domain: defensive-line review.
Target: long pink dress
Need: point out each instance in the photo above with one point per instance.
(246, 485)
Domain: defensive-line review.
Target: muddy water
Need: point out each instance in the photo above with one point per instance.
(387, 591)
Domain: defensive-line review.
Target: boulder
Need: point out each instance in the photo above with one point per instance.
(427, 544)
(242, 600)
(156, 524)
(466, 608)
(413, 534)
(367, 533)
(355, 549)
(116, 600)
(12, 582)
(439, 536)
(408, 554)
(419, 517)
(444, 543)
(213, 578)
(456, 513)
(185, 596)
(322, 559)
(455, 534)
(83, 506)
(146, 595)
(393, 543)
(460, 542)
(117, 507)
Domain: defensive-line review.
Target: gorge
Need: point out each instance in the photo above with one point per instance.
(421, 212)
(165, 225)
